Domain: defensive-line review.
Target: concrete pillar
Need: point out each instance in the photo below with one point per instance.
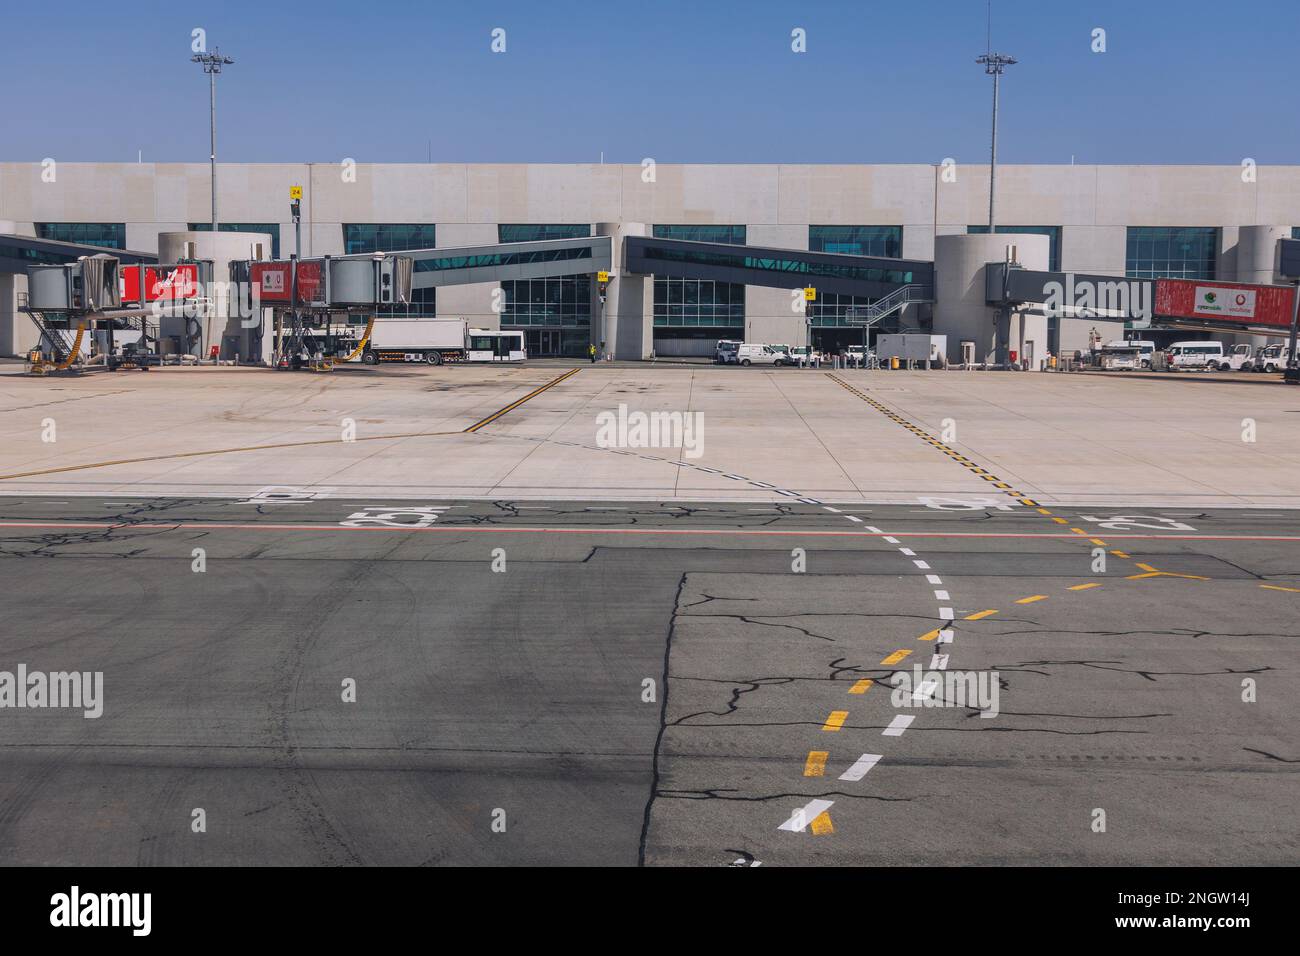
(629, 302)
(960, 309)
(1257, 263)
(220, 328)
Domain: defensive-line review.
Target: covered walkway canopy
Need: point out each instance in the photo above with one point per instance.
(19, 252)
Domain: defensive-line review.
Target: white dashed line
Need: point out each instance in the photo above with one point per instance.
(922, 565)
(941, 595)
(907, 551)
(945, 613)
(854, 518)
(891, 540)
(897, 726)
(934, 579)
(805, 815)
(860, 768)
(925, 689)
(945, 636)
(939, 662)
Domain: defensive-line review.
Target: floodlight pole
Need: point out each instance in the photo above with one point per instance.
(212, 64)
(994, 64)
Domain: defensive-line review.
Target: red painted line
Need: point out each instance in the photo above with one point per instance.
(478, 529)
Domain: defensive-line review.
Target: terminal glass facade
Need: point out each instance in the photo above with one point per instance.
(361, 238)
(537, 232)
(365, 238)
(554, 314)
(832, 327)
(270, 228)
(1164, 252)
(110, 235)
(1053, 233)
(857, 240)
(695, 313)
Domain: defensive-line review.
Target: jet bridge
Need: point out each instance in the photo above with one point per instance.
(1199, 305)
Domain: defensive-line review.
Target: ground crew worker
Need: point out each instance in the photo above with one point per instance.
(591, 350)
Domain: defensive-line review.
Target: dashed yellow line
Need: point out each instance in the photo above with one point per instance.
(895, 657)
(815, 765)
(1032, 598)
(980, 615)
(1278, 587)
(862, 686)
(822, 825)
(835, 721)
(929, 635)
(1084, 587)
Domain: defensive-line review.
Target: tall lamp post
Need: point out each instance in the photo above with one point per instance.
(994, 64)
(212, 64)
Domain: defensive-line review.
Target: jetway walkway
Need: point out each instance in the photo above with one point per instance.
(868, 276)
(1143, 303)
(503, 262)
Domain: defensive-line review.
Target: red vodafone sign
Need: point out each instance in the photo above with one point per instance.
(163, 283)
(275, 281)
(1229, 302)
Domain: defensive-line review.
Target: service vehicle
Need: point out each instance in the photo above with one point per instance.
(804, 355)
(725, 354)
(1239, 358)
(1122, 356)
(752, 353)
(1195, 354)
(1146, 346)
(436, 341)
(1272, 358)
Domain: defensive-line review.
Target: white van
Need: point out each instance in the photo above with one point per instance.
(1206, 355)
(751, 353)
(1145, 347)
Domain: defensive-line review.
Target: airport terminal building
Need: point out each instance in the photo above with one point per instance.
(696, 253)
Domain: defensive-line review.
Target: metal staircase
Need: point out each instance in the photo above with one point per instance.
(888, 305)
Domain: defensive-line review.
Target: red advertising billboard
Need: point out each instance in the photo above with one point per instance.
(1231, 303)
(161, 283)
(275, 281)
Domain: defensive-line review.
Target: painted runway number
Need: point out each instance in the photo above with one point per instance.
(1128, 522)
(389, 516)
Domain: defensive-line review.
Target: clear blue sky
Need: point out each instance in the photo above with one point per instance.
(1182, 81)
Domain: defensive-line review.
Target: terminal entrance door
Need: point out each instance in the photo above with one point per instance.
(542, 342)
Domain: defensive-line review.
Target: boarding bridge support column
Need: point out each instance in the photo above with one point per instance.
(628, 324)
(961, 311)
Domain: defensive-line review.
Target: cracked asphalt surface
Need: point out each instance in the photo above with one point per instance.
(525, 690)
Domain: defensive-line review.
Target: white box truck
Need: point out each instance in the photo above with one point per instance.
(440, 340)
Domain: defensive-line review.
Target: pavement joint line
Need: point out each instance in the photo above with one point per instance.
(87, 466)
